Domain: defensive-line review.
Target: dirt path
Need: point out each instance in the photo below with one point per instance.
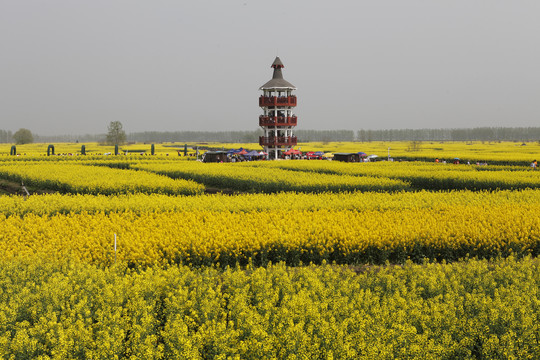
(221, 191)
(9, 187)
(13, 188)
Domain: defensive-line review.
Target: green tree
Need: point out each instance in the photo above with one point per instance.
(116, 134)
(23, 136)
(414, 146)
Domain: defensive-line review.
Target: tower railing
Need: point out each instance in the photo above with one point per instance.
(278, 120)
(277, 140)
(277, 100)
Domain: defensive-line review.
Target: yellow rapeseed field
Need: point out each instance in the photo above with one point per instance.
(129, 257)
(314, 210)
(465, 310)
(345, 235)
(76, 178)
(509, 153)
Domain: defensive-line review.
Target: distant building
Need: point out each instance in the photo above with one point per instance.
(347, 157)
(215, 156)
(278, 120)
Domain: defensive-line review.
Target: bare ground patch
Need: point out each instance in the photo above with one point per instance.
(8, 187)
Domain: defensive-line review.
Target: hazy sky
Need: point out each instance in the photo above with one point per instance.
(71, 67)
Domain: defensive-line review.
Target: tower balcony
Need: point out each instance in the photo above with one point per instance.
(277, 100)
(277, 140)
(278, 120)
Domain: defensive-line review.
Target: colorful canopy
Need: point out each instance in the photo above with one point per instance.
(293, 152)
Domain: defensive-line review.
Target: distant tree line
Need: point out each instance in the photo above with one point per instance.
(70, 138)
(472, 134)
(21, 136)
(237, 136)
(195, 136)
(458, 134)
(6, 136)
(325, 135)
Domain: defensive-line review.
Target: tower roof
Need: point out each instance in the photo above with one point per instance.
(277, 63)
(277, 81)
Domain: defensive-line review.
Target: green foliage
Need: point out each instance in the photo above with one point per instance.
(414, 146)
(466, 310)
(463, 134)
(23, 136)
(115, 133)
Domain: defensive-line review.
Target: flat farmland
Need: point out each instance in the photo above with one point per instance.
(136, 255)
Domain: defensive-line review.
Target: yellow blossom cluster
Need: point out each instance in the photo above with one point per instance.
(76, 178)
(260, 179)
(114, 264)
(420, 175)
(50, 204)
(465, 310)
(505, 152)
(294, 236)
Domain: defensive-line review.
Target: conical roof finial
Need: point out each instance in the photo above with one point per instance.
(277, 63)
(278, 82)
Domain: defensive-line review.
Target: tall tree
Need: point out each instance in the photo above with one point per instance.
(116, 134)
(5, 136)
(23, 136)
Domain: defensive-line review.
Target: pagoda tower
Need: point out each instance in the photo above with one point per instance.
(277, 121)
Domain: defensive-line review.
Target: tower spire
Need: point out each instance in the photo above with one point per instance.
(278, 82)
(277, 63)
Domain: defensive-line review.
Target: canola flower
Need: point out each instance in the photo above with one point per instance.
(62, 295)
(268, 180)
(50, 204)
(502, 153)
(38, 151)
(205, 237)
(321, 176)
(313, 176)
(420, 175)
(465, 310)
(76, 178)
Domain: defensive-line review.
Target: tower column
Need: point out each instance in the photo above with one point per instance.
(277, 121)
